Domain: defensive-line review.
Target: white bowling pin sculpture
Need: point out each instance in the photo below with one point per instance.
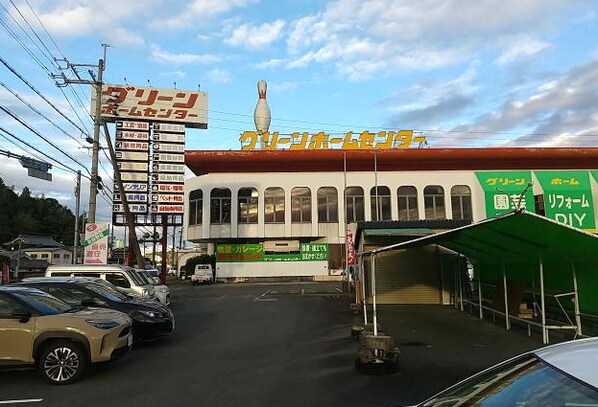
(261, 114)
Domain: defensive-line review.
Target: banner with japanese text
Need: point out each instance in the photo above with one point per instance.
(568, 198)
(95, 245)
(255, 253)
(506, 191)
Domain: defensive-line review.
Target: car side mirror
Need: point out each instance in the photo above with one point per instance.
(89, 302)
(22, 314)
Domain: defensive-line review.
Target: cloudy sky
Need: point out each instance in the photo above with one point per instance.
(465, 74)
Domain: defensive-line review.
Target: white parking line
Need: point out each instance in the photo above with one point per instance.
(261, 297)
(21, 401)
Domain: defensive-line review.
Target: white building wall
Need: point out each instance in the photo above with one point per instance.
(316, 180)
(271, 269)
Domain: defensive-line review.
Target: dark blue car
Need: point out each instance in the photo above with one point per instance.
(150, 318)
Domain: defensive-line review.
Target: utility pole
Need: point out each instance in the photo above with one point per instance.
(62, 80)
(77, 204)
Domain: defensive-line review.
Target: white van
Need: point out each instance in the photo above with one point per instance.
(202, 274)
(123, 277)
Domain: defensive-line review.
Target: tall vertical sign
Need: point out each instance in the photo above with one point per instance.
(95, 245)
(168, 169)
(506, 191)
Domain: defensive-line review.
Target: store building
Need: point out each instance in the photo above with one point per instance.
(285, 201)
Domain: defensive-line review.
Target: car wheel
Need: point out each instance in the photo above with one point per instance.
(62, 362)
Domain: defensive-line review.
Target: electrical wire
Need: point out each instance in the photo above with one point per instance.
(14, 116)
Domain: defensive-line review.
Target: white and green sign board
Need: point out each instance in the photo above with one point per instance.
(568, 198)
(95, 245)
(255, 253)
(506, 191)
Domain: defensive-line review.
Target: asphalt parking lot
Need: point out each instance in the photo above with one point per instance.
(279, 345)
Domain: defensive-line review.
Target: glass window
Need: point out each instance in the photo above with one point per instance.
(7, 306)
(407, 203)
(44, 255)
(354, 204)
(301, 205)
(56, 256)
(34, 256)
(118, 280)
(195, 207)
(274, 205)
(380, 203)
(434, 202)
(247, 205)
(70, 296)
(220, 206)
(43, 303)
(525, 381)
(327, 204)
(461, 202)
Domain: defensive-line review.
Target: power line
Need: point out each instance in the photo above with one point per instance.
(38, 112)
(11, 114)
(61, 165)
(40, 95)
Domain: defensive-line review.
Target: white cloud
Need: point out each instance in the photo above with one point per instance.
(256, 37)
(404, 35)
(162, 56)
(560, 111)
(521, 46)
(218, 76)
(270, 64)
(199, 12)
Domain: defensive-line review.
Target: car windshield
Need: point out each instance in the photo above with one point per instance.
(43, 303)
(106, 291)
(146, 277)
(525, 381)
(135, 277)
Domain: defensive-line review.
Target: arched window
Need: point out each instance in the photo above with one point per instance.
(195, 207)
(461, 202)
(274, 205)
(220, 206)
(327, 204)
(354, 204)
(380, 203)
(407, 201)
(434, 202)
(300, 205)
(247, 205)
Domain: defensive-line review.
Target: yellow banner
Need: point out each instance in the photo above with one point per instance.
(251, 140)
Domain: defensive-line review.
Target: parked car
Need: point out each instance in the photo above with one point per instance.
(565, 374)
(38, 329)
(121, 276)
(203, 274)
(162, 292)
(150, 318)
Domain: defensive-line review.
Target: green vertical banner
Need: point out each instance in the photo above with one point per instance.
(503, 191)
(568, 198)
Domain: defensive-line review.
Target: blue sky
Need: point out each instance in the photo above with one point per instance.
(466, 74)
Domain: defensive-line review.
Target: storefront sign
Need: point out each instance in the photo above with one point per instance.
(132, 166)
(168, 157)
(189, 108)
(350, 248)
(568, 198)
(131, 145)
(95, 245)
(133, 176)
(131, 155)
(132, 135)
(255, 253)
(251, 140)
(171, 138)
(133, 208)
(506, 191)
(167, 208)
(130, 197)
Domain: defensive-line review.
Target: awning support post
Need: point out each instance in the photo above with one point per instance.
(504, 283)
(374, 314)
(543, 303)
(363, 291)
(478, 272)
(459, 270)
(576, 299)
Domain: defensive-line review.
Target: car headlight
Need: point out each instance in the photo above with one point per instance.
(145, 292)
(102, 324)
(151, 314)
(163, 289)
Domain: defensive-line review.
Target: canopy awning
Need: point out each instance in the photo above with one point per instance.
(514, 237)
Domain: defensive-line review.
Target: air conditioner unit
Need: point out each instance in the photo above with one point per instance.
(281, 246)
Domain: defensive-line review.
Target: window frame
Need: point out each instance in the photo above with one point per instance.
(301, 204)
(327, 205)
